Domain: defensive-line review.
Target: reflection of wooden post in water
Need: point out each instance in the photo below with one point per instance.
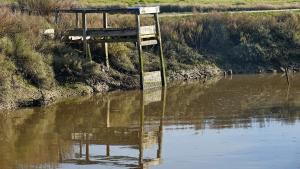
(80, 148)
(87, 148)
(161, 123)
(108, 125)
(156, 161)
(60, 158)
(141, 135)
(286, 71)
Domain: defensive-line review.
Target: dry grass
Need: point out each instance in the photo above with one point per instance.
(45, 6)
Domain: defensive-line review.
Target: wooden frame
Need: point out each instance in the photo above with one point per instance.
(141, 35)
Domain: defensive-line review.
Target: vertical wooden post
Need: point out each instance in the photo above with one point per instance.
(56, 23)
(140, 50)
(76, 20)
(162, 62)
(56, 17)
(89, 52)
(104, 45)
(84, 28)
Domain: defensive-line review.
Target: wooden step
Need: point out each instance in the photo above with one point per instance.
(149, 42)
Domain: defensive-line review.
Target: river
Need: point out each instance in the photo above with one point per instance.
(244, 121)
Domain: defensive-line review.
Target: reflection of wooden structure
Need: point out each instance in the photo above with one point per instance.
(135, 136)
(142, 35)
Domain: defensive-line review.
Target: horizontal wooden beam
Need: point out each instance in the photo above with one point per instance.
(78, 39)
(129, 10)
(147, 30)
(103, 32)
(149, 42)
(149, 10)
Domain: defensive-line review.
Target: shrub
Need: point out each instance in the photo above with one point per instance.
(7, 69)
(6, 46)
(121, 57)
(32, 64)
(70, 66)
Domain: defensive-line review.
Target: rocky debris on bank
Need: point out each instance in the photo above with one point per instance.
(111, 80)
(197, 72)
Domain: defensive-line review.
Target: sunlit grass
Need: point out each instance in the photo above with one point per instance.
(190, 2)
(184, 2)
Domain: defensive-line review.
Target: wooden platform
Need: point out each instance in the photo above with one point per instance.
(140, 35)
(109, 35)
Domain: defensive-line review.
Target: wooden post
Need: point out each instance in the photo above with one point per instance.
(56, 23)
(56, 17)
(84, 28)
(104, 45)
(162, 63)
(76, 20)
(89, 52)
(140, 50)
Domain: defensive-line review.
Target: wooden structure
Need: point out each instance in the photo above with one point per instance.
(141, 35)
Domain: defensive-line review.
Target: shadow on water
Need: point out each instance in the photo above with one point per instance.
(98, 130)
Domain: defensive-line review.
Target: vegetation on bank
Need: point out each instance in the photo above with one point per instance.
(174, 5)
(194, 2)
(242, 42)
(31, 64)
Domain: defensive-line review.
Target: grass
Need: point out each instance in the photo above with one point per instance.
(192, 2)
(204, 3)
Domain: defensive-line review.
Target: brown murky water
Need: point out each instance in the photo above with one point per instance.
(249, 122)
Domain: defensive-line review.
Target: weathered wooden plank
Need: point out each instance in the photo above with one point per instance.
(112, 32)
(149, 42)
(76, 39)
(104, 45)
(77, 20)
(161, 56)
(84, 34)
(148, 36)
(129, 10)
(101, 32)
(114, 40)
(140, 51)
(149, 10)
(148, 30)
